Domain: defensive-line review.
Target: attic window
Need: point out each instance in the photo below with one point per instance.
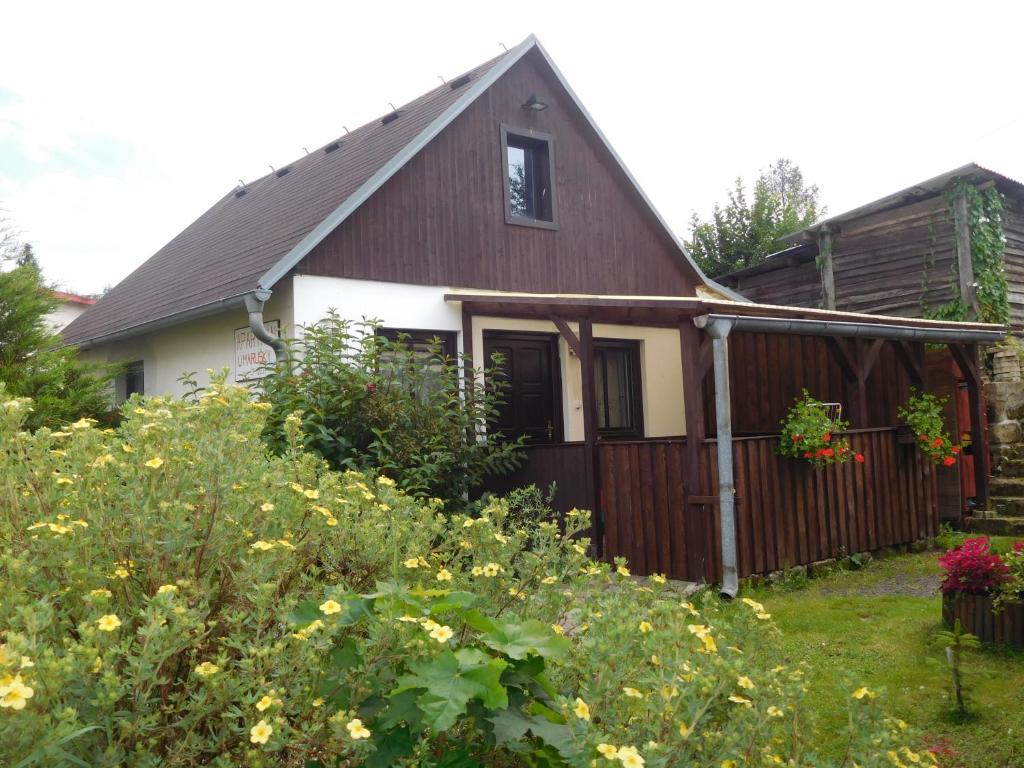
(390, 117)
(528, 159)
(282, 171)
(331, 147)
(459, 81)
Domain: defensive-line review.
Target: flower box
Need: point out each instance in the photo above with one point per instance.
(905, 435)
(977, 617)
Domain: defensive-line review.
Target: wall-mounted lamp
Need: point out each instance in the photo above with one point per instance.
(534, 103)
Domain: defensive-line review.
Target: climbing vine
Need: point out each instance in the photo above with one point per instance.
(985, 217)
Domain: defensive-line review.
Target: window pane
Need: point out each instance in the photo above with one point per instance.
(517, 181)
(617, 388)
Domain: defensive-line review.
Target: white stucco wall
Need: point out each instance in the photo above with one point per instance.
(65, 312)
(199, 345)
(209, 342)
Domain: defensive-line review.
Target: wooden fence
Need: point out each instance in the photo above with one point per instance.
(786, 512)
(558, 463)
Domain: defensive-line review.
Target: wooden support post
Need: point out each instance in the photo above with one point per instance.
(966, 357)
(964, 262)
(828, 280)
(590, 458)
(566, 332)
(694, 516)
(910, 357)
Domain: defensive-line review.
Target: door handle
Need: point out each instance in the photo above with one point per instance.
(551, 432)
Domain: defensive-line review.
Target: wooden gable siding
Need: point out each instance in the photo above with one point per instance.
(798, 285)
(768, 372)
(1013, 257)
(440, 220)
(898, 262)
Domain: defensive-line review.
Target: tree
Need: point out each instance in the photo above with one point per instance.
(741, 234)
(32, 361)
(27, 256)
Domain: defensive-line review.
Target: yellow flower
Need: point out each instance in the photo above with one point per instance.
(357, 730)
(774, 711)
(155, 463)
(408, 618)
(97, 665)
(265, 703)
(83, 423)
(753, 604)
(501, 538)
(330, 606)
(745, 682)
(629, 757)
(317, 702)
(608, 750)
(108, 623)
(861, 693)
(548, 580)
(633, 693)
(206, 669)
(14, 694)
(101, 593)
(581, 710)
(622, 570)
(167, 589)
(260, 733)
(332, 521)
(444, 575)
(262, 546)
(64, 481)
(645, 627)
(412, 562)
(657, 578)
(382, 480)
(735, 699)
(729, 764)
(685, 730)
(441, 634)
(311, 493)
(558, 629)
(266, 507)
(491, 570)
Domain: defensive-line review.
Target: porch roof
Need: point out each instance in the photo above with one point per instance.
(771, 318)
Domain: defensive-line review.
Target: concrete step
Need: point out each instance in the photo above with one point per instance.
(1008, 452)
(1008, 467)
(995, 526)
(1007, 506)
(1006, 487)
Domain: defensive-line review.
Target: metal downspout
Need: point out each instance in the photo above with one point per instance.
(719, 330)
(254, 305)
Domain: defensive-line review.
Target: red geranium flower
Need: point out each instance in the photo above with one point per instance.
(827, 436)
(923, 437)
(808, 455)
(1018, 547)
(949, 461)
(797, 438)
(371, 387)
(937, 442)
(955, 449)
(859, 458)
(828, 453)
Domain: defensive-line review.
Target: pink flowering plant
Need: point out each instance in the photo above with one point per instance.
(176, 595)
(809, 433)
(973, 568)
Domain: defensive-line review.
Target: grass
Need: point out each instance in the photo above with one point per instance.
(873, 627)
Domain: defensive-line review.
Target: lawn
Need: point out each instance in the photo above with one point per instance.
(872, 627)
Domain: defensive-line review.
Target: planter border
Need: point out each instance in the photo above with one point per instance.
(977, 617)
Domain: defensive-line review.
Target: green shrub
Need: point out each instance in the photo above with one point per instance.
(367, 402)
(809, 433)
(174, 595)
(923, 412)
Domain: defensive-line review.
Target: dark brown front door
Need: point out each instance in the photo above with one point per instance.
(533, 396)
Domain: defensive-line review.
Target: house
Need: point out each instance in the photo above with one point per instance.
(910, 254)
(493, 213)
(70, 306)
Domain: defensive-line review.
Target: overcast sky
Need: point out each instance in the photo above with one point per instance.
(121, 123)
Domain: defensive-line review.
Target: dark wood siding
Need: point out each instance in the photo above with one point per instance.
(768, 371)
(440, 220)
(787, 513)
(798, 285)
(899, 262)
(1013, 229)
(559, 463)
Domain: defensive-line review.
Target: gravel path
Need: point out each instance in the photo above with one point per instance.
(897, 586)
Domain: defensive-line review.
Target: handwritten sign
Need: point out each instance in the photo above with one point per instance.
(251, 354)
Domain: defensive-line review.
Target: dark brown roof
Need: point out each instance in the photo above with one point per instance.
(223, 254)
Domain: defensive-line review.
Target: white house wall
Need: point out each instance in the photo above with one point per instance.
(198, 345)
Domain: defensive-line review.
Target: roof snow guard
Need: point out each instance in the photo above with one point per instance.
(251, 241)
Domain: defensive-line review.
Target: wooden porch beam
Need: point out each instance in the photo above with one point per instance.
(912, 362)
(966, 357)
(566, 332)
(590, 461)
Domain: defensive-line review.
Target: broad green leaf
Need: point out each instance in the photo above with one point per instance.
(509, 725)
(517, 639)
(345, 656)
(450, 681)
(305, 613)
(390, 745)
(401, 708)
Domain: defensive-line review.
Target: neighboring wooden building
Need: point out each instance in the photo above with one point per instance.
(492, 213)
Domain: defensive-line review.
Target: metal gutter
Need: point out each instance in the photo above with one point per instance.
(850, 329)
(254, 306)
(166, 321)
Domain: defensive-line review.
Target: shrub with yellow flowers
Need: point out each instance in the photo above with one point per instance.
(172, 594)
